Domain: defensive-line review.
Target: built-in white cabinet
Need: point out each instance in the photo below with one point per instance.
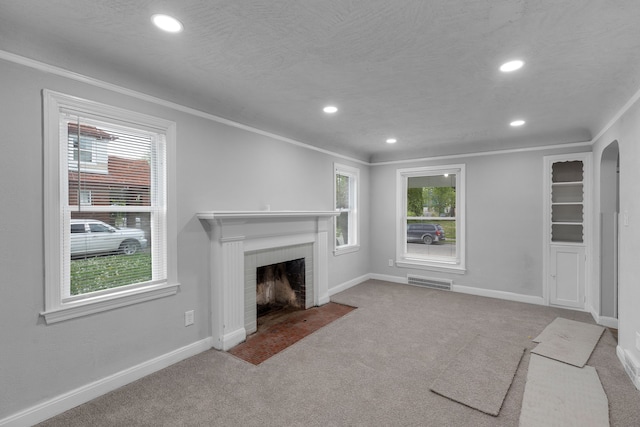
(566, 224)
(566, 276)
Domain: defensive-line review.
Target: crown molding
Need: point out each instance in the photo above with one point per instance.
(37, 65)
(61, 72)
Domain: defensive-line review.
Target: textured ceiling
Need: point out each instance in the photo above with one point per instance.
(425, 72)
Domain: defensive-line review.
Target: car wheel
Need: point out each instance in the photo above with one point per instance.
(427, 239)
(129, 247)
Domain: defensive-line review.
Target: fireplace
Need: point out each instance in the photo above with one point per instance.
(243, 241)
(255, 261)
(280, 287)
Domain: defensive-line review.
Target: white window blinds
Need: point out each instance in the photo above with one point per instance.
(113, 201)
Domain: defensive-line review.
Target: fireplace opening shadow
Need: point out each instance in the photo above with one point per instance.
(280, 329)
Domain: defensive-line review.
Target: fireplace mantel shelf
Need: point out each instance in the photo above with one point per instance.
(213, 215)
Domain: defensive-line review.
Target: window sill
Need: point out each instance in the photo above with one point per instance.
(89, 306)
(424, 265)
(346, 250)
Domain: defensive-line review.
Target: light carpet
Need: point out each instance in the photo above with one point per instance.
(557, 394)
(568, 341)
(370, 368)
(480, 375)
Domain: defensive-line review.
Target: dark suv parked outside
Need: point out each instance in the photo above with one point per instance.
(425, 233)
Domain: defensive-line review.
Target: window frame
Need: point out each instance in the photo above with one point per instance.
(354, 220)
(404, 259)
(58, 307)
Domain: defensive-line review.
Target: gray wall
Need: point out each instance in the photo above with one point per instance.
(218, 167)
(609, 205)
(504, 220)
(626, 131)
(221, 167)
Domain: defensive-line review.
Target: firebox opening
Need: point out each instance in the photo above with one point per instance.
(280, 286)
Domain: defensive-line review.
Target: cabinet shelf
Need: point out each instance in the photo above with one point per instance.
(567, 210)
(567, 232)
(569, 171)
(567, 193)
(572, 213)
(566, 184)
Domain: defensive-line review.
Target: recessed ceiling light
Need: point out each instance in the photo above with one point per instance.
(330, 109)
(391, 141)
(510, 66)
(517, 123)
(167, 23)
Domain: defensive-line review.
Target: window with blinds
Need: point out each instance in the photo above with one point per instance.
(106, 231)
(114, 204)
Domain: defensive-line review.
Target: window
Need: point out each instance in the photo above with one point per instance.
(85, 197)
(346, 203)
(431, 218)
(105, 168)
(82, 151)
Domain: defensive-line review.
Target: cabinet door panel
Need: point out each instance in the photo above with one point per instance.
(567, 276)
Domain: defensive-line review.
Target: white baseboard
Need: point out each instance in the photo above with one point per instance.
(232, 339)
(324, 300)
(630, 364)
(80, 395)
(609, 322)
(349, 284)
(388, 278)
(509, 296)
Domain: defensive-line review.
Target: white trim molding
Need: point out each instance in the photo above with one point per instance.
(451, 264)
(52, 69)
(609, 322)
(490, 293)
(59, 304)
(348, 284)
(85, 393)
(61, 72)
(630, 365)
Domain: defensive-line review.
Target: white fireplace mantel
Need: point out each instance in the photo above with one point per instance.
(232, 234)
(212, 215)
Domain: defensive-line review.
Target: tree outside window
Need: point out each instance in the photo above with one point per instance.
(430, 217)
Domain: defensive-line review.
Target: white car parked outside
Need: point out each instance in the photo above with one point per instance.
(90, 236)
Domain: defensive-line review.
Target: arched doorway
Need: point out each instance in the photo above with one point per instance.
(609, 209)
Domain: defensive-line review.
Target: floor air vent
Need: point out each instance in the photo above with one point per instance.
(428, 282)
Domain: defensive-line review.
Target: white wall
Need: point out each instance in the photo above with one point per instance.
(626, 130)
(504, 223)
(218, 167)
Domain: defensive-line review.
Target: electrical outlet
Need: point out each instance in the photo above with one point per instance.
(390, 263)
(189, 317)
(638, 340)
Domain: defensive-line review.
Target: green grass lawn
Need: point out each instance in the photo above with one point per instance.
(109, 271)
